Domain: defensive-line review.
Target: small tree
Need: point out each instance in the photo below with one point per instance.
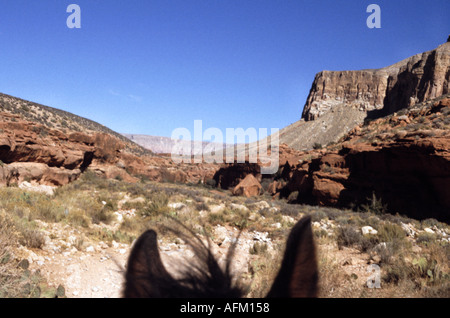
(374, 205)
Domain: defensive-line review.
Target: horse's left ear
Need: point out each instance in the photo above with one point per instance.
(298, 275)
(145, 269)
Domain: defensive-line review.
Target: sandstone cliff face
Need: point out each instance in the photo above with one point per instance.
(423, 76)
(364, 90)
(413, 80)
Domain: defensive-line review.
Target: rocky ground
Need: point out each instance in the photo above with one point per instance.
(96, 271)
(89, 266)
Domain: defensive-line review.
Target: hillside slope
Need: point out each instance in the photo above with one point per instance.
(52, 147)
(64, 121)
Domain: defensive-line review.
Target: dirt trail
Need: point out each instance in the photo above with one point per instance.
(86, 275)
(97, 270)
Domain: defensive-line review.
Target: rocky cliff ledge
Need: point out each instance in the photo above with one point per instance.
(416, 79)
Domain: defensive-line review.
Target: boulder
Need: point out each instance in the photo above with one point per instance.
(365, 230)
(248, 187)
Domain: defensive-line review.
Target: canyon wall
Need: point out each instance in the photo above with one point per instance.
(413, 80)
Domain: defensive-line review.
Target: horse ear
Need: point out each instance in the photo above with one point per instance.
(298, 274)
(145, 270)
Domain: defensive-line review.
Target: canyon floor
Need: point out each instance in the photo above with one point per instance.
(74, 241)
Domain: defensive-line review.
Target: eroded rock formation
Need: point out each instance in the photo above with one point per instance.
(402, 160)
(416, 79)
(30, 151)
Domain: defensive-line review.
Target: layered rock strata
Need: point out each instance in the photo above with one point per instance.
(416, 79)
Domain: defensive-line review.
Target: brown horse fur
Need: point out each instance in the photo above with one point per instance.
(146, 275)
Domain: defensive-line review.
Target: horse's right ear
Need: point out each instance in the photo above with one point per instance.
(145, 271)
(298, 274)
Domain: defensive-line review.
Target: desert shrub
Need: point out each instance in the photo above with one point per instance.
(372, 221)
(237, 218)
(8, 237)
(320, 233)
(108, 235)
(427, 268)
(318, 215)
(317, 145)
(78, 218)
(217, 218)
(102, 215)
(240, 219)
(395, 238)
(387, 252)
(102, 210)
(290, 209)
(389, 232)
(396, 272)
(31, 238)
(202, 206)
(134, 226)
(343, 220)
(350, 219)
(48, 210)
(367, 243)
(426, 238)
(429, 223)
(258, 248)
(348, 236)
(332, 214)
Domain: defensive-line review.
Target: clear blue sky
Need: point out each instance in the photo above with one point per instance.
(151, 66)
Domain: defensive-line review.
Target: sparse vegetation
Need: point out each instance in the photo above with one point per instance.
(90, 205)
